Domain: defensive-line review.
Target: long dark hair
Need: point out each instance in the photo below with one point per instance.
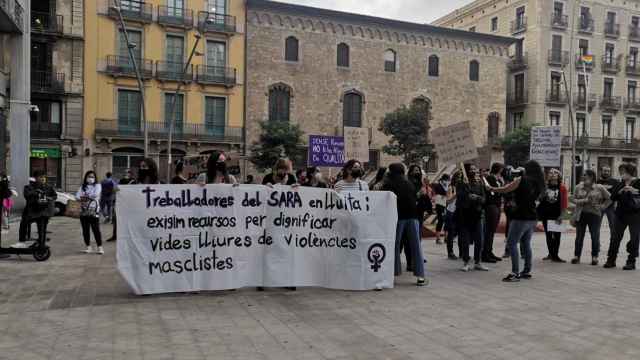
(396, 171)
(382, 171)
(411, 169)
(84, 180)
(535, 177)
(152, 175)
(212, 167)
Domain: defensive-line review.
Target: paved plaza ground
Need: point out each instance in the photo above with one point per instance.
(76, 306)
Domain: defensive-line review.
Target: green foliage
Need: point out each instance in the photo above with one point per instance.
(278, 139)
(408, 128)
(516, 144)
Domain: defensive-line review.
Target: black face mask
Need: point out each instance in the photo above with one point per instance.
(280, 176)
(144, 173)
(356, 173)
(221, 167)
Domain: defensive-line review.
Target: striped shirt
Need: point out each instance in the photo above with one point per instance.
(357, 185)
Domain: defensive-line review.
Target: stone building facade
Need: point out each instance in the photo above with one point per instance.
(337, 69)
(555, 33)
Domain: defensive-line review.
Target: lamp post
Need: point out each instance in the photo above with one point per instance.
(172, 108)
(130, 46)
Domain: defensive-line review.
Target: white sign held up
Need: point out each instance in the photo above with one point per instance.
(356, 143)
(454, 144)
(546, 145)
(181, 238)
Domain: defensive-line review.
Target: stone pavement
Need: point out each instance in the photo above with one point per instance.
(76, 306)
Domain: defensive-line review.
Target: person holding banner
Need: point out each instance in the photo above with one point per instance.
(552, 205)
(148, 172)
(590, 199)
(352, 172)
(281, 174)
(217, 172)
(408, 220)
(527, 190)
(314, 178)
(470, 205)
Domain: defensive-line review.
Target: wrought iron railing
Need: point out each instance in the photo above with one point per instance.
(212, 22)
(175, 16)
(215, 75)
(160, 131)
(123, 66)
(173, 71)
(47, 82)
(47, 23)
(132, 10)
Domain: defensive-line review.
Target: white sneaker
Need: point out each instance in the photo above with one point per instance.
(88, 250)
(480, 267)
(466, 268)
(100, 250)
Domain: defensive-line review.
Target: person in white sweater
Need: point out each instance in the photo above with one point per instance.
(89, 197)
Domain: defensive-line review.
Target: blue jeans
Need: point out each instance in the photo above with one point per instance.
(592, 221)
(411, 228)
(520, 233)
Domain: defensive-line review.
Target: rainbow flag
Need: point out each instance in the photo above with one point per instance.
(587, 59)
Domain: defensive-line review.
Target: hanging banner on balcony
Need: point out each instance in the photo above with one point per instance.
(356, 144)
(546, 145)
(454, 144)
(326, 151)
(191, 238)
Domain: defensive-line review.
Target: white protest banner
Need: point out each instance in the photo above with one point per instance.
(181, 238)
(356, 143)
(546, 143)
(454, 144)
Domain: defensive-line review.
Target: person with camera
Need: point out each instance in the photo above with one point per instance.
(40, 198)
(527, 190)
(89, 197)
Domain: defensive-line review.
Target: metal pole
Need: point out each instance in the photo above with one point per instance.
(172, 111)
(573, 135)
(130, 47)
(584, 148)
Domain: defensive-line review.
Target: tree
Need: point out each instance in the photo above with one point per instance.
(278, 139)
(516, 144)
(408, 128)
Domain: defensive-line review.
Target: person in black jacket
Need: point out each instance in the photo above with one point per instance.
(440, 190)
(470, 204)
(609, 182)
(492, 213)
(408, 220)
(627, 195)
(40, 198)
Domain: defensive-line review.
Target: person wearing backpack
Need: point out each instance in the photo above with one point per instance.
(107, 197)
(89, 194)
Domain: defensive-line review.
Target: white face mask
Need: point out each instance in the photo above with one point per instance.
(91, 180)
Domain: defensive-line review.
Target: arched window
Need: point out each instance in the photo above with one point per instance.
(434, 65)
(279, 102)
(493, 126)
(390, 61)
(291, 49)
(343, 55)
(474, 70)
(352, 109)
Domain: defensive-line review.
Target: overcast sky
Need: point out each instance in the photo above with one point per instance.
(419, 11)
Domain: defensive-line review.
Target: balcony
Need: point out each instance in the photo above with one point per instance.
(580, 65)
(555, 97)
(517, 99)
(11, 17)
(47, 82)
(121, 66)
(518, 25)
(634, 33)
(173, 71)
(610, 64)
(559, 21)
(612, 30)
(518, 62)
(602, 143)
(175, 17)
(632, 67)
(43, 23)
(586, 25)
(216, 23)
(558, 57)
(583, 102)
(109, 128)
(215, 75)
(132, 10)
(45, 130)
(632, 105)
(610, 103)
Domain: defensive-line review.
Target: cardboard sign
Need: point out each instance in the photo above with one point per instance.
(326, 151)
(546, 145)
(356, 143)
(454, 144)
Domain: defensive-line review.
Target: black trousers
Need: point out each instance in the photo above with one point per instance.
(91, 223)
(42, 223)
(25, 224)
(631, 221)
(440, 211)
(492, 219)
(470, 233)
(553, 240)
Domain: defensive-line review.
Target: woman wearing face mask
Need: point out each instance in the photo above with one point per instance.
(552, 205)
(470, 211)
(217, 172)
(280, 175)
(440, 190)
(314, 178)
(148, 172)
(40, 198)
(591, 200)
(352, 172)
(627, 195)
(89, 196)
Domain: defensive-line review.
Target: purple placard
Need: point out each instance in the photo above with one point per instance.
(326, 151)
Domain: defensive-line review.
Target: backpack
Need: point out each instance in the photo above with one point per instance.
(107, 188)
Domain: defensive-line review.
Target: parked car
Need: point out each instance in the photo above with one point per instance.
(62, 201)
